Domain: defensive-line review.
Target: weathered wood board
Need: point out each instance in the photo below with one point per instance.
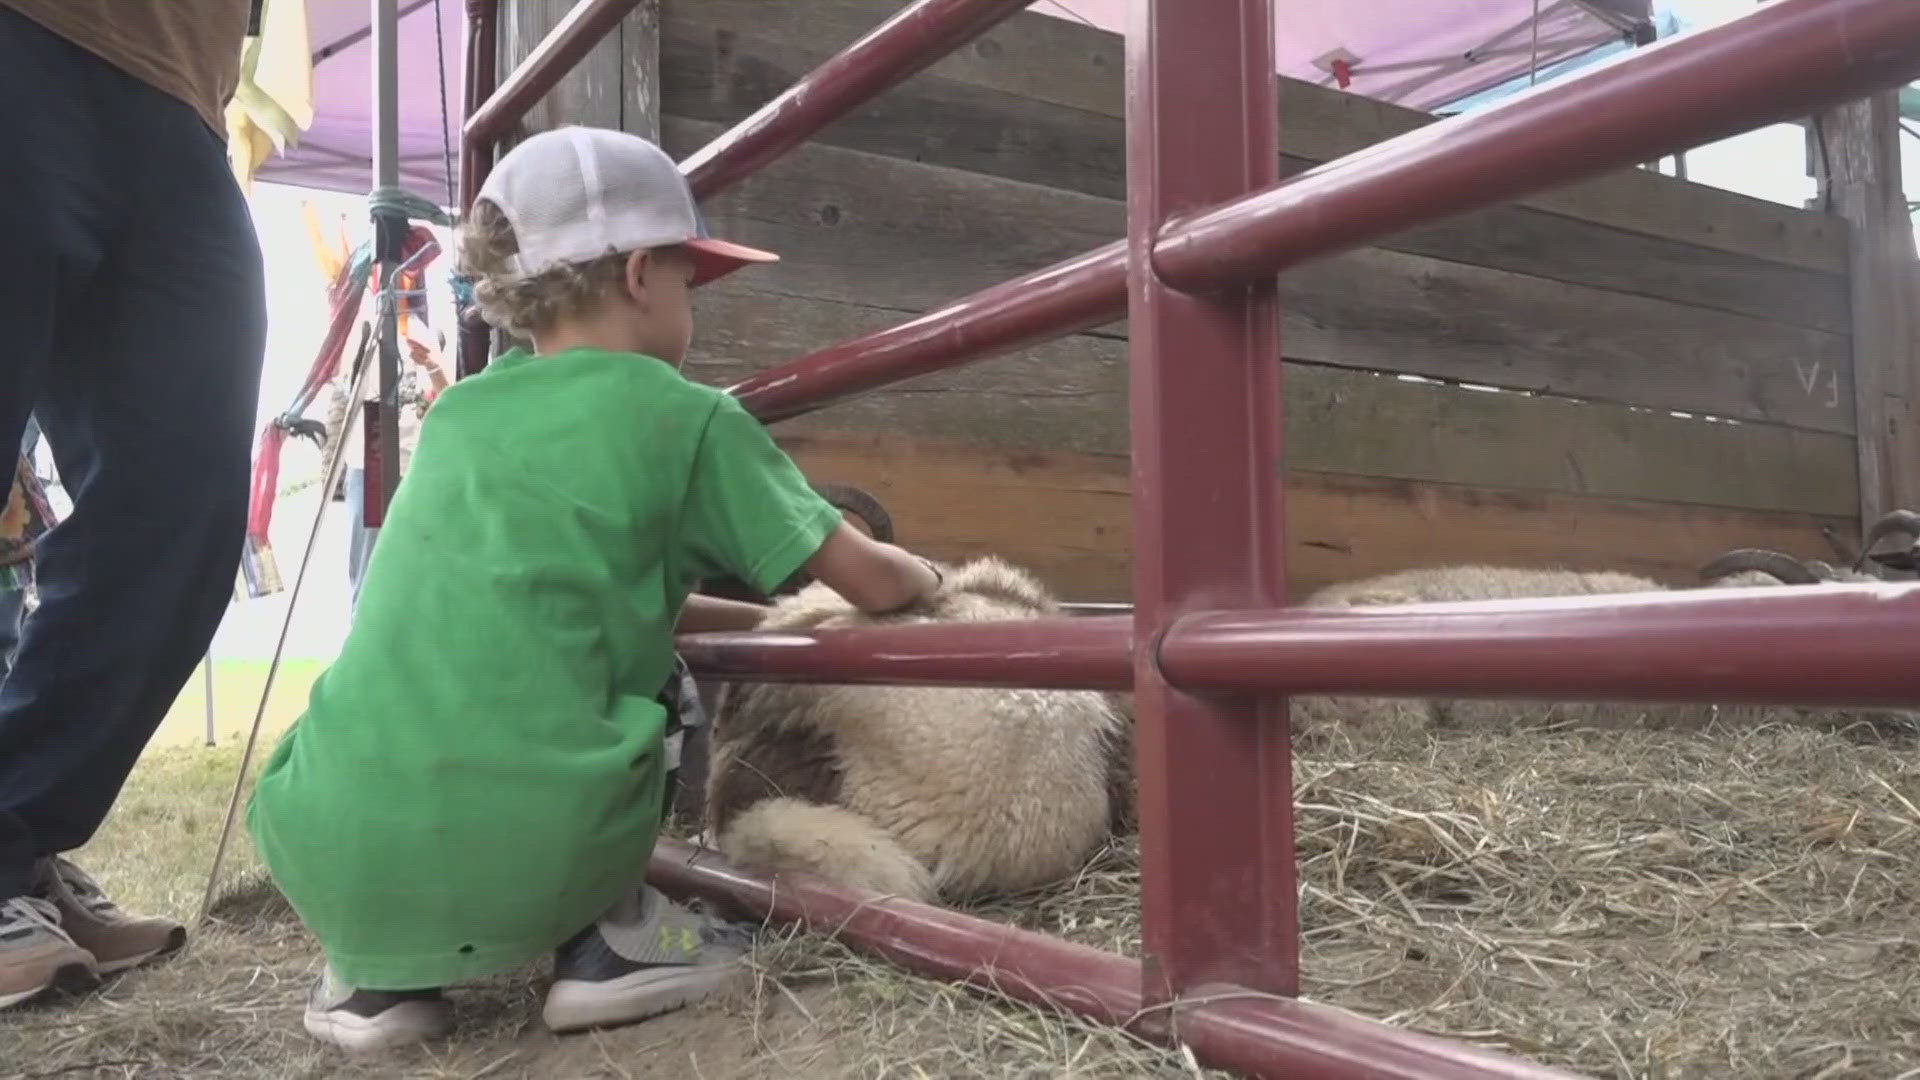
(723, 58)
(1066, 515)
(864, 231)
(1075, 151)
(617, 84)
(1610, 305)
(1072, 395)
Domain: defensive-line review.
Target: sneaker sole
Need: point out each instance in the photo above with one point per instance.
(402, 1025)
(68, 981)
(176, 940)
(574, 1005)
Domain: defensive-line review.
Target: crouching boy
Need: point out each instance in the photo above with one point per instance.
(477, 779)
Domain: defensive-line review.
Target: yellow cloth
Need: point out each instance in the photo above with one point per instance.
(274, 101)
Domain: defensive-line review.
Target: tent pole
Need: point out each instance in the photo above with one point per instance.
(206, 666)
(390, 230)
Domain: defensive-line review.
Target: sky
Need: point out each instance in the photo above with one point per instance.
(1767, 164)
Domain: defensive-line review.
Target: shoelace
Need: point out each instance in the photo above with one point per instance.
(28, 913)
(83, 887)
(715, 930)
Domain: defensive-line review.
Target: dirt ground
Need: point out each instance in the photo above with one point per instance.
(228, 1008)
(1662, 905)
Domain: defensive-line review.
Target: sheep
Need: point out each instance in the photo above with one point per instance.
(1900, 561)
(1751, 567)
(687, 801)
(922, 793)
(1323, 720)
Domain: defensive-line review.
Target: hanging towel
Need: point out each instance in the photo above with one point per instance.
(274, 101)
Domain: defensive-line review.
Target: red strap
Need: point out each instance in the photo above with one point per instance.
(326, 363)
(266, 482)
(345, 302)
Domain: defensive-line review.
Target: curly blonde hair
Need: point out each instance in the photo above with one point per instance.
(524, 307)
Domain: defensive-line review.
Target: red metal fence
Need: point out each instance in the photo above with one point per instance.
(1207, 649)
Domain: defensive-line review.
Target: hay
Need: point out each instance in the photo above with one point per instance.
(1623, 903)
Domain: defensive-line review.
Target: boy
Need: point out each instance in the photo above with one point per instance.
(478, 778)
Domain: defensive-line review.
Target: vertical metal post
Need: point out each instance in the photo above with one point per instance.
(476, 161)
(206, 665)
(1216, 807)
(390, 230)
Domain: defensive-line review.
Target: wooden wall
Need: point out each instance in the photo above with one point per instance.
(1606, 308)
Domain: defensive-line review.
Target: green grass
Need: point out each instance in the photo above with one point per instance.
(236, 695)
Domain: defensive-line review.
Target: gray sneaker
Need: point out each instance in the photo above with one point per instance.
(36, 955)
(373, 1020)
(645, 957)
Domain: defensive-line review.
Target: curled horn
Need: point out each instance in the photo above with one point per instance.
(1892, 523)
(1786, 568)
(1842, 549)
(1823, 569)
(860, 504)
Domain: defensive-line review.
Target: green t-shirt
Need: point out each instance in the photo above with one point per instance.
(479, 774)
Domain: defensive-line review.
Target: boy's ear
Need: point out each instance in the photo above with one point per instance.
(635, 279)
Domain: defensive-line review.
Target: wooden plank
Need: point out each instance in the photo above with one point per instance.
(589, 94)
(1066, 516)
(640, 70)
(1859, 166)
(989, 131)
(873, 232)
(1072, 394)
(1060, 63)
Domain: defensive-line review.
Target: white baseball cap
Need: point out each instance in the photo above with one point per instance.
(574, 194)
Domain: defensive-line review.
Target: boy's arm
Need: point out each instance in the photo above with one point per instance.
(751, 515)
(873, 576)
(709, 614)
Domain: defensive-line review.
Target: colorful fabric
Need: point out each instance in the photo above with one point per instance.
(28, 515)
(479, 774)
(273, 100)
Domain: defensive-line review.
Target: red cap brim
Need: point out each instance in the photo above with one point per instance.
(714, 259)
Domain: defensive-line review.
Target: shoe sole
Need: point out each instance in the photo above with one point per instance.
(176, 940)
(402, 1025)
(574, 1005)
(68, 980)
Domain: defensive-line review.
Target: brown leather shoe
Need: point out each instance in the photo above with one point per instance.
(116, 939)
(36, 955)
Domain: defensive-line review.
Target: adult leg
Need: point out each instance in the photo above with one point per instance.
(60, 199)
(149, 407)
(58, 205)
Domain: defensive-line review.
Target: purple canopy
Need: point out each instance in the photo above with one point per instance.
(1420, 53)
(335, 154)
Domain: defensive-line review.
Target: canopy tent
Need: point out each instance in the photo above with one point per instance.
(335, 152)
(1419, 53)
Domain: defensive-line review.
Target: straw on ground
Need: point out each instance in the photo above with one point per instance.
(1629, 904)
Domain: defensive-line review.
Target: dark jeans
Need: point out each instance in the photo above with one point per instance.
(132, 325)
